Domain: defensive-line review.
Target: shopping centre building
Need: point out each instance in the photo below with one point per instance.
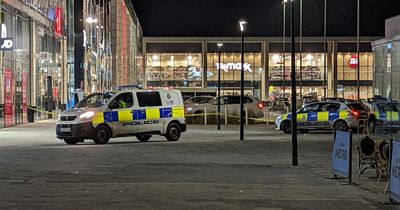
(387, 61)
(191, 64)
(48, 49)
(32, 58)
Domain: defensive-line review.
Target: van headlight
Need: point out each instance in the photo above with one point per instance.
(86, 115)
(59, 117)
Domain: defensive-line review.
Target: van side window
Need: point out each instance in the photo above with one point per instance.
(149, 99)
(122, 101)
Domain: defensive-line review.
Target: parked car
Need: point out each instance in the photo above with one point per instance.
(198, 100)
(254, 106)
(384, 113)
(324, 115)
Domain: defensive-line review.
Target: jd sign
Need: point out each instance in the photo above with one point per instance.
(234, 66)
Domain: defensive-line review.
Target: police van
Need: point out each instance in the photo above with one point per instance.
(140, 113)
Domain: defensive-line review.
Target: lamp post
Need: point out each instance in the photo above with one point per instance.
(284, 49)
(219, 88)
(325, 48)
(358, 49)
(293, 99)
(242, 23)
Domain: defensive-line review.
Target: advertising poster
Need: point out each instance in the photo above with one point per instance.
(341, 157)
(395, 172)
(8, 98)
(24, 99)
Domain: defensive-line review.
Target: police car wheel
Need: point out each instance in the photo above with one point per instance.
(143, 138)
(173, 132)
(102, 135)
(286, 127)
(340, 126)
(71, 141)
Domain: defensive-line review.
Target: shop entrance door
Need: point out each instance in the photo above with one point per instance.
(50, 106)
(18, 97)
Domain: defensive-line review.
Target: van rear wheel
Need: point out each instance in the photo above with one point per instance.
(173, 132)
(143, 138)
(102, 135)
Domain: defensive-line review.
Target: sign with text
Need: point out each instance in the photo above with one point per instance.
(234, 66)
(395, 172)
(6, 44)
(353, 61)
(341, 157)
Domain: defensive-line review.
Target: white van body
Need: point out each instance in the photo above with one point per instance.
(140, 113)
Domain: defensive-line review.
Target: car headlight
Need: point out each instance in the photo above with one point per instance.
(59, 117)
(86, 115)
(189, 109)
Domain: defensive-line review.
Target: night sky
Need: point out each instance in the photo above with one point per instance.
(219, 17)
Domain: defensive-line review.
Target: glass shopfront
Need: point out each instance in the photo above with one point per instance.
(309, 74)
(347, 64)
(230, 72)
(15, 70)
(48, 72)
(174, 69)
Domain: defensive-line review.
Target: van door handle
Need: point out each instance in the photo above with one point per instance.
(133, 111)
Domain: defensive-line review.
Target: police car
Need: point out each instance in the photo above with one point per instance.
(140, 113)
(384, 113)
(325, 115)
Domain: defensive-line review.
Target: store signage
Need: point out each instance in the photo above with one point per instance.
(6, 44)
(395, 172)
(353, 61)
(234, 66)
(40, 6)
(341, 156)
(58, 26)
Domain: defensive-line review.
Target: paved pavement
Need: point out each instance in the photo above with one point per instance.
(206, 169)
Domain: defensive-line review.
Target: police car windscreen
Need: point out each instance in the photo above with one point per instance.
(95, 100)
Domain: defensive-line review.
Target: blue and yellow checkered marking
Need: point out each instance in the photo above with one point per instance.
(317, 118)
(138, 114)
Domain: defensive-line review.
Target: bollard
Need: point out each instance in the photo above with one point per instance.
(247, 116)
(205, 115)
(226, 116)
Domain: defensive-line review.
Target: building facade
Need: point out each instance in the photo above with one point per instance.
(191, 64)
(32, 59)
(387, 61)
(104, 46)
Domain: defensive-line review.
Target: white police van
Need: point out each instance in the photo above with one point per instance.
(140, 113)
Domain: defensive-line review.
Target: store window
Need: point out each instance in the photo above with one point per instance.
(348, 62)
(174, 69)
(48, 72)
(312, 66)
(231, 66)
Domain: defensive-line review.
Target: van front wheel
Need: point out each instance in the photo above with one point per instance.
(102, 135)
(173, 132)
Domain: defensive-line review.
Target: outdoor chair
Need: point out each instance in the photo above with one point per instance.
(366, 154)
(382, 158)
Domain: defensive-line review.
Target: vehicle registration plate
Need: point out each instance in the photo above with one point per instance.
(65, 129)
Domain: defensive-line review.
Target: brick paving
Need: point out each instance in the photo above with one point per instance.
(206, 169)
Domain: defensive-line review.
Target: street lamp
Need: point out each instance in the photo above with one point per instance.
(358, 49)
(242, 23)
(293, 78)
(219, 87)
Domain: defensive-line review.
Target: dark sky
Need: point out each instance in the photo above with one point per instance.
(264, 17)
